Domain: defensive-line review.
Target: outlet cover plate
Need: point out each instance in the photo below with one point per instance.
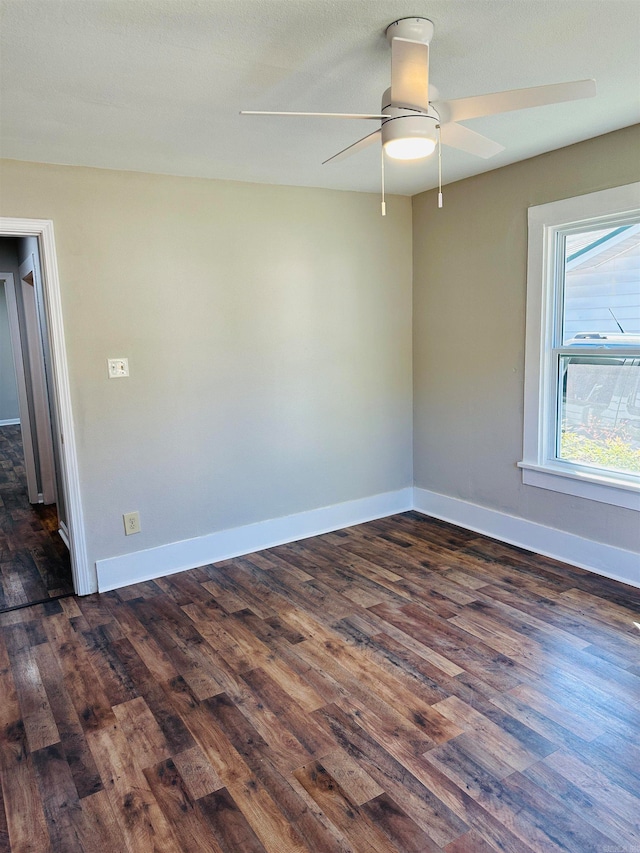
(131, 523)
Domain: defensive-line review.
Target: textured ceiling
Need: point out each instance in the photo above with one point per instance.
(156, 85)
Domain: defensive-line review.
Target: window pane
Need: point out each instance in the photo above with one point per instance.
(602, 288)
(600, 412)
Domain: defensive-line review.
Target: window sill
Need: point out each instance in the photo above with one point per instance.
(592, 486)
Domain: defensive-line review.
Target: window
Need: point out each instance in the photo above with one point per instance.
(582, 368)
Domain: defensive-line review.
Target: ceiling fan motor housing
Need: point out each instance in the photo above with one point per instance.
(417, 126)
(404, 122)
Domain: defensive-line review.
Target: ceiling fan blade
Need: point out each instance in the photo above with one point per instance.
(321, 115)
(457, 136)
(409, 73)
(515, 99)
(355, 146)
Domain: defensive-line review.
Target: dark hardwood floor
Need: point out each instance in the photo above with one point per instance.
(403, 685)
(34, 561)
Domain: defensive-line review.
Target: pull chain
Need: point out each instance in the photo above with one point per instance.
(383, 206)
(439, 167)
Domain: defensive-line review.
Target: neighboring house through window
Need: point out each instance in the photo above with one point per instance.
(582, 369)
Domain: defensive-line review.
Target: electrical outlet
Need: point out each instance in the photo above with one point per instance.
(131, 523)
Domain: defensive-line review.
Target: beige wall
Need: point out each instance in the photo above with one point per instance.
(8, 387)
(469, 329)
(268, 331)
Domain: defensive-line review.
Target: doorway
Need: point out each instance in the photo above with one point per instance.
(43, 439)
(35, 564)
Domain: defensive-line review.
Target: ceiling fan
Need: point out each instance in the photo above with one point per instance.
(411, 126)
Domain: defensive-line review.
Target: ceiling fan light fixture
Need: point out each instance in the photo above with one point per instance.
(409, 147)
(409, 137)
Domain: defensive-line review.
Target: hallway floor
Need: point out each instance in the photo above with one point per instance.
(34, 561)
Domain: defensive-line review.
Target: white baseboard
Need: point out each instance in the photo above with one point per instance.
(175, 557)
(10, 422)
(606, 560)
(615, 563)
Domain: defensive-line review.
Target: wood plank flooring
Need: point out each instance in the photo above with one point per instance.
(403, 686)
(34, 561)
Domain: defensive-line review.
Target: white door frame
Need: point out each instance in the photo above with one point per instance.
(83, 578)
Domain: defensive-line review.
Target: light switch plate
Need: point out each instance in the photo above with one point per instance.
(118, 367)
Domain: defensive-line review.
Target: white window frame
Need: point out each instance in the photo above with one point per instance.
(539, 467)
